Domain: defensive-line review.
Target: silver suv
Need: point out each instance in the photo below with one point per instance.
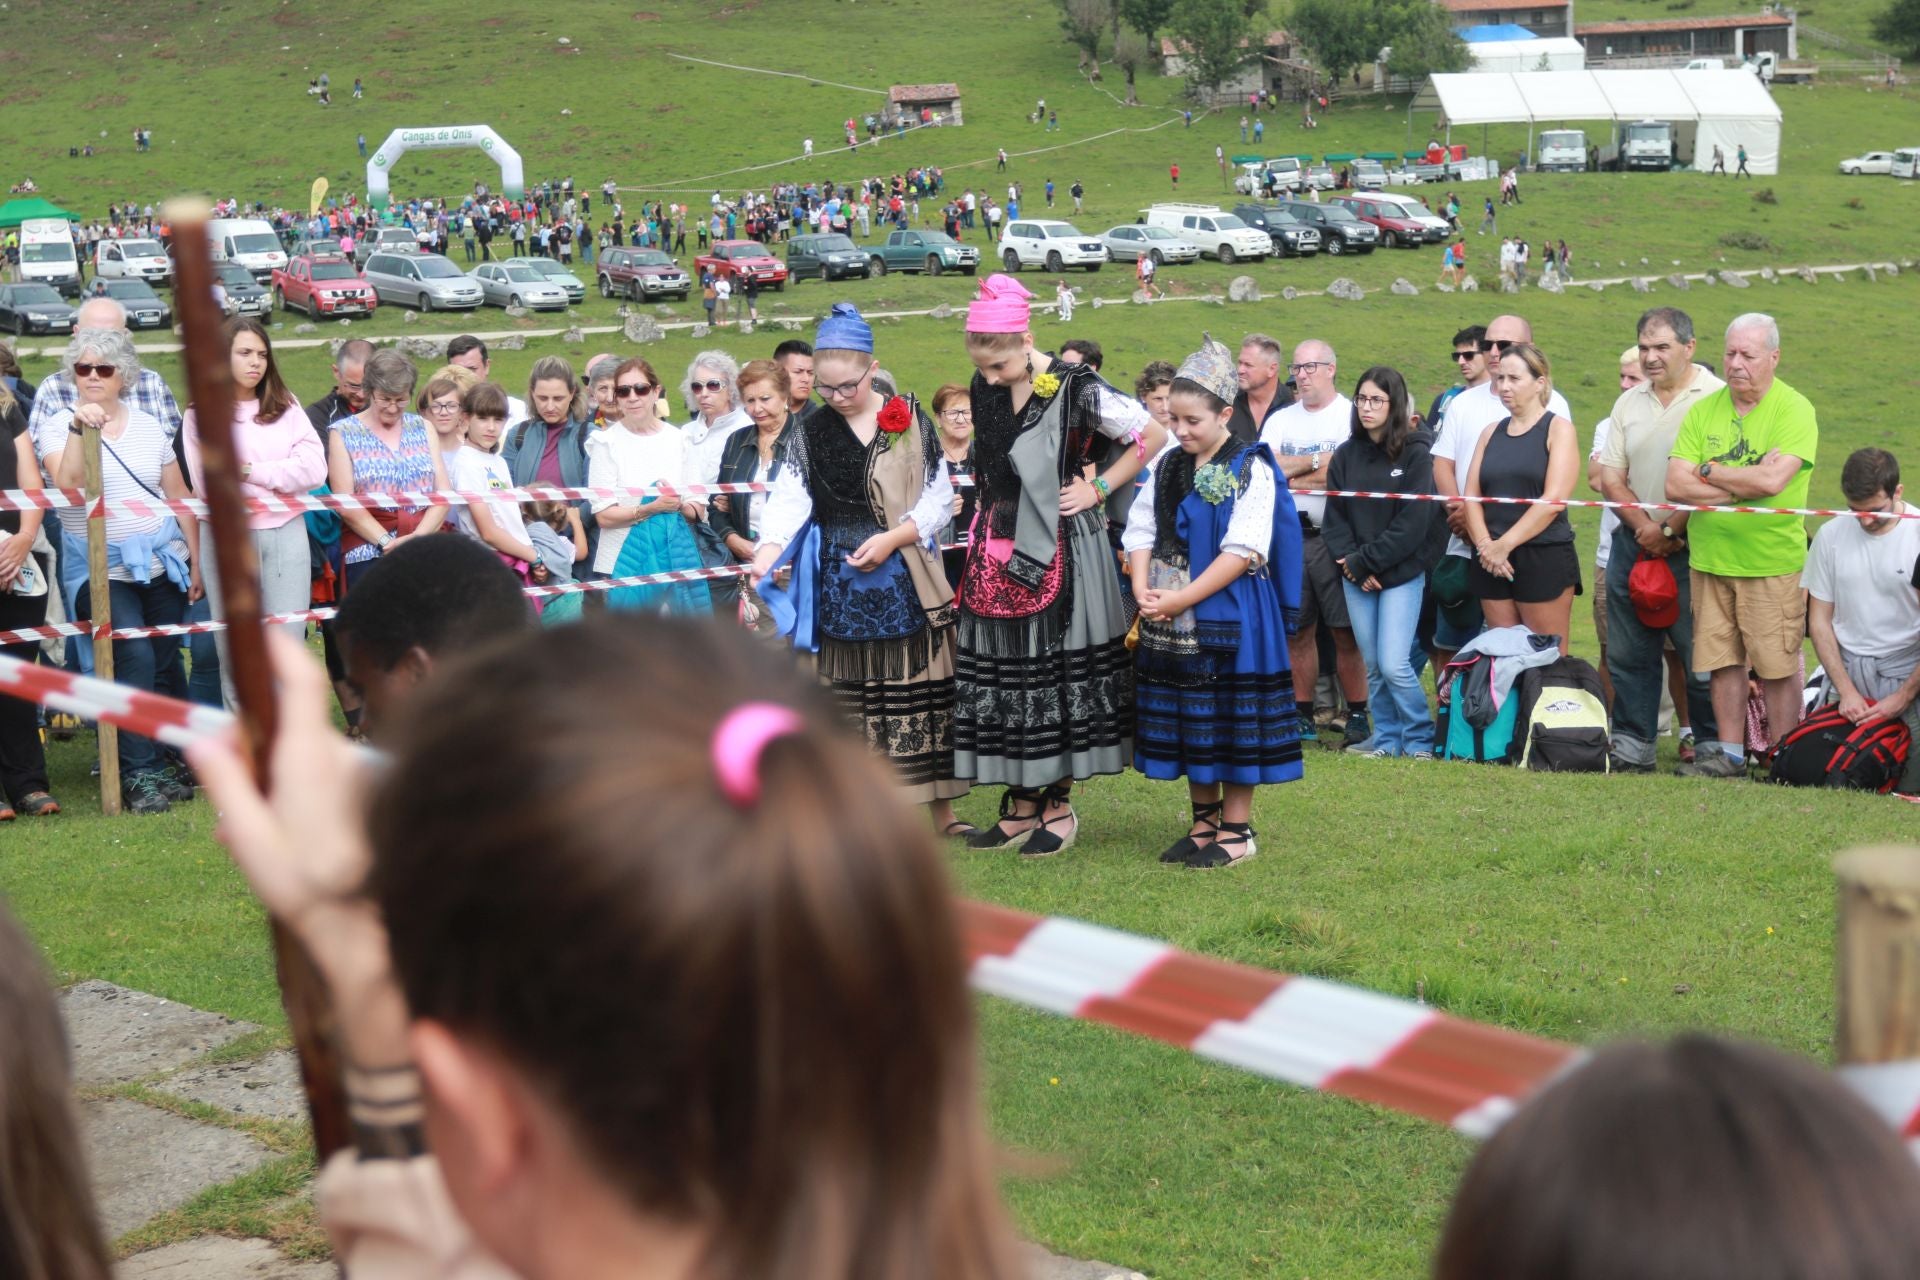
(424, 280)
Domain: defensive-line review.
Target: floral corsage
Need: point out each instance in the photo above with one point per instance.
(1215, 483)
(1045, 384)
(896, 415)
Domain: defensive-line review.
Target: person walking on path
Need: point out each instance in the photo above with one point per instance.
(1719, 161)
(1741, 153)
(1000, 166)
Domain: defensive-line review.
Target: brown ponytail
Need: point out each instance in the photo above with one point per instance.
(756, 1019)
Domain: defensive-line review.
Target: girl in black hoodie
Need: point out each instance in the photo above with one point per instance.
(1384, 547)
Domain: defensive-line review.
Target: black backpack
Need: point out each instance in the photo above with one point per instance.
(1562, 726)
(1829, 750)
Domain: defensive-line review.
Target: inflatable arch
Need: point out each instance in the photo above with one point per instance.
(401, 141)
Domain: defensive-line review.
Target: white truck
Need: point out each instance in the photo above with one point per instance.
(1906, 163)
(1642, 144)
(250, 242)
(131, 260)
(1218, 233)
(48, 255)
(1562, 151)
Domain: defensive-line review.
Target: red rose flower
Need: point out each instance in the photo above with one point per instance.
(895, 416)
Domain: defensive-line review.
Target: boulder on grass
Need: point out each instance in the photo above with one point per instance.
(1243, 289)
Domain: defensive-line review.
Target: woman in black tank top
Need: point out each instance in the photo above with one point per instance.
(1525, 571)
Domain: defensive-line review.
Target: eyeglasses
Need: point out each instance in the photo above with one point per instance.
(444, 406)
(95, 370)
(633, 390)
(1309, 366)
(1490, 345)
(1466, 355)
(845, 389)
(1372, 402)
(711, 384)
(958, 415)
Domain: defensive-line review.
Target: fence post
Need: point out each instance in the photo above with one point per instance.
(102, 618)
(1877, 968)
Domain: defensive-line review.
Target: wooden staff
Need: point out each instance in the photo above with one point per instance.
(100, 618)
(1878, 973)
(210, 384)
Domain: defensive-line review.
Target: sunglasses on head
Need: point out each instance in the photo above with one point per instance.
(631, 389)
(711, 384)
(95, 370)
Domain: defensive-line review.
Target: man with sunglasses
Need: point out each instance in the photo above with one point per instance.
(1862, 608)
(1467, 418)
(1472, 365)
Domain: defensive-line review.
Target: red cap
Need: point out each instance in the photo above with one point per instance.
(1655, 594)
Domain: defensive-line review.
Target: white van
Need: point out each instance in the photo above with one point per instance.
(48, 256)
(1906, 163)
(131, 260)
(1707, 64)
(1218, 233)
(249, 242)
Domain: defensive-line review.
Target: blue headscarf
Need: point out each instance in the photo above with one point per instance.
(844, 330)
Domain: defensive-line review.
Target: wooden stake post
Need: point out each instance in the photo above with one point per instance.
(102, 618)
(1878, 966)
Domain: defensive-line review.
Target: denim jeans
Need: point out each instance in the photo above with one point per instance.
(153, 664)
(1383, 626)
(1636, 658)
(203, 657)
(70, 555)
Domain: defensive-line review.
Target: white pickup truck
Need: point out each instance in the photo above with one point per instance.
(1218, 233)
(131, 260)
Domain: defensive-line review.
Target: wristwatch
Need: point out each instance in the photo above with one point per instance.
(386, 540)
(1705, 470)
(1666, 531)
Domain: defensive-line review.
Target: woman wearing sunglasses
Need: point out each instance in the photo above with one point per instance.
(641, 536)
(713, 393)
(860, 502)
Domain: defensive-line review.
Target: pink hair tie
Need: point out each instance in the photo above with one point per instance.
(741, 739)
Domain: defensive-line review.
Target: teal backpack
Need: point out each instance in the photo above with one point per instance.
(1459, 738)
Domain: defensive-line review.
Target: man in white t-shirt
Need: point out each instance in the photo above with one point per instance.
(1862, 606)
(1303, 437)
(1467, 418)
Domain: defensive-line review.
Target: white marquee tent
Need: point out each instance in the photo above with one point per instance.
(1560, 53)
(1727, 109)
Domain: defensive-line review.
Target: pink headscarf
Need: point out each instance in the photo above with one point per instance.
(1001, 307)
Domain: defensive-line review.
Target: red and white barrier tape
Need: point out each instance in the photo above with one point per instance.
(59, 499)
(1304, 1031)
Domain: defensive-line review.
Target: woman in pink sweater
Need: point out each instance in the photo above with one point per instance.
(279, 456)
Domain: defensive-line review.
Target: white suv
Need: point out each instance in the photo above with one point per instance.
(1218, 233)
(1053, 245)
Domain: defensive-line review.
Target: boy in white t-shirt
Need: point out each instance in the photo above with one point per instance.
(477, 467)
(1863, 609)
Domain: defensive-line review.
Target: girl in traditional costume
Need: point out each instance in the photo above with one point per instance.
(1044, 687)
(1213, 545)
(854, 512)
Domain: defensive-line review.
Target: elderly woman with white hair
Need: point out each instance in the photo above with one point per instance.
(152, 574)
(713, 392)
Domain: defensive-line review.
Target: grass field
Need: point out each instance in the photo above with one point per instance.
(1579, 908)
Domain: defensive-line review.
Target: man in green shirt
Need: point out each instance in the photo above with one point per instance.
(1749, 444)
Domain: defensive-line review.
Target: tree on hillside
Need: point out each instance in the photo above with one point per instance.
(1898, 27)
(1423, 41)
(1219, 39)
(1148, 17)
(1085, 21)
(1131, 53)
(1342, 34)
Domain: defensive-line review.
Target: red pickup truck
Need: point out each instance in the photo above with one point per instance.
(742, 259)
(322, 286)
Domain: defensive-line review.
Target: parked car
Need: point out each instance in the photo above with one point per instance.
(424, 280)
(1282, 173)
(1320, 175)
(641, 273)
(245, 295)
(131, 260)
(930, 251)
(322, 247)
(826, 256)
(1871, 162)
(1291, 237)
(322, 286)
(384, 240)
(1369, 175)
(1340, 232)
(1053, 245)
(1132, 242)
(556, 273)
(145, 310)
(1399, 226)
(1218, 233)
(741, 260)
(34, 308)
(510, 284)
